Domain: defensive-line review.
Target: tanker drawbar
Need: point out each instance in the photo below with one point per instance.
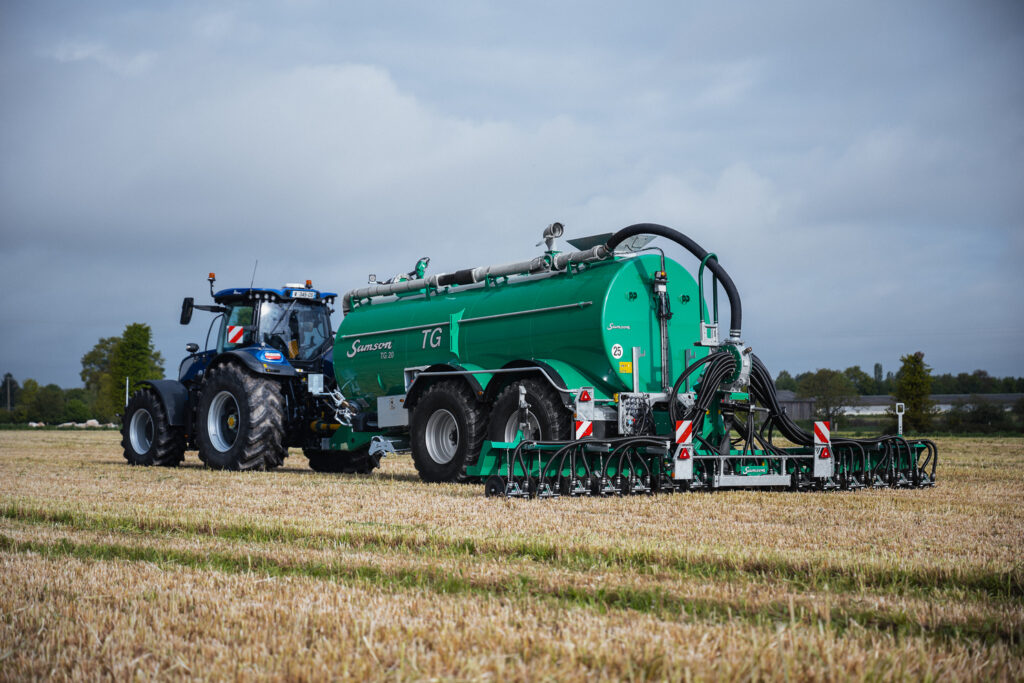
(598, 371)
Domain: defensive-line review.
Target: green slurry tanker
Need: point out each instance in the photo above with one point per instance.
(596, 371)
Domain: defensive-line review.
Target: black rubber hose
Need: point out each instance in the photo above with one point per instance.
(735, 308)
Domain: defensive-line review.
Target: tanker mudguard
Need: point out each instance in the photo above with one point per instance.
(418, 386)
(534, 368)
(174, 397)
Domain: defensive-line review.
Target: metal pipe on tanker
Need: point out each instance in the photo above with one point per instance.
(598, 253)
(384, 290)
(462, 277)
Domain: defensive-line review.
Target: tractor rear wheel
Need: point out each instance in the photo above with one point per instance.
(146, 435)
(348, 462)
(447, 430)
(240, 425)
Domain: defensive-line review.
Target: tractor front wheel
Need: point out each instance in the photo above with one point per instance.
(146, 435)
(241, 421)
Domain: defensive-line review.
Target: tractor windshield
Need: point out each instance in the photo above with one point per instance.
(298, 329)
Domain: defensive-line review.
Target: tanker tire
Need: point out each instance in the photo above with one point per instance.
(546, 410)
(146, 436)
(345, 462)
(240, 424)
(447, 430)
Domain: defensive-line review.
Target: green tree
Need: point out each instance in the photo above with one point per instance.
(831, 391)
(785, 382)
(864, 382)
(47, 405)
(96, 365)
(76, 410)
(913, 388)
(132, 356)
(28, 395)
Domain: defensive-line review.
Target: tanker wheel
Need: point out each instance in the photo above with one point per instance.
(546, 418)
(146, 435)
(447, 429)
(240, 425)
(346, 462)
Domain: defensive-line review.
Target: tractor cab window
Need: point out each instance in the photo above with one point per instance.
(298, 329)
(237, 330)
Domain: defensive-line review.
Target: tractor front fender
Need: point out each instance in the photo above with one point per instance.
(248, 358)
(174, 397)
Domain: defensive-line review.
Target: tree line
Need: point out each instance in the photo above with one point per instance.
(863, 384)
(104, 370)
(913, 384)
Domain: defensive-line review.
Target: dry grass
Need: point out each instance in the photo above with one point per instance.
(114, 571)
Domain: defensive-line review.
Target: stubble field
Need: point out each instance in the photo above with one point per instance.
(112, 571)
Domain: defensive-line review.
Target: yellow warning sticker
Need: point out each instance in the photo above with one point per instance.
(626, 366)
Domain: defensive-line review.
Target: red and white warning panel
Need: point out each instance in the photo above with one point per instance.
(584, 428)
(682, 467)
(235, 334)
(823, 461)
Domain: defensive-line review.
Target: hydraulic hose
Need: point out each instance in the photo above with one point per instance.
(735, 307)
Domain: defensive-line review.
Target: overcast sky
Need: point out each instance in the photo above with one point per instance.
(858, 167)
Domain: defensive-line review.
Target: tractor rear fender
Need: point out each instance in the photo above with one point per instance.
(174, 397)
(441, 372)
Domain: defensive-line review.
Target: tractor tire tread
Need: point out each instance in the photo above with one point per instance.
(168, 447)
(264, 441)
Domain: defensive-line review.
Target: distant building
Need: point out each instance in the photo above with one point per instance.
(796, 408)
(881, 404)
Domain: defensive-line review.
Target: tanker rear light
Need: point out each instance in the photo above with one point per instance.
(585, 396)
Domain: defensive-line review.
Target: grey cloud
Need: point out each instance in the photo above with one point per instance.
(855, 167)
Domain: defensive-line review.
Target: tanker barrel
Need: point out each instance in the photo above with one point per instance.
(735, 307)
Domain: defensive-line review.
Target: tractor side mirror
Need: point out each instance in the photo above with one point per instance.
(186, 310)
(191, 347)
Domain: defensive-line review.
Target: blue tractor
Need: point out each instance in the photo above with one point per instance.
(264, 385)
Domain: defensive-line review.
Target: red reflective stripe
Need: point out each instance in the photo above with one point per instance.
(584, 428)
(235, 334)
(684, 431)
(818, 434)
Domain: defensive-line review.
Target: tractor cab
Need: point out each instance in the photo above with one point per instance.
(275, 331)
(300, 329)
